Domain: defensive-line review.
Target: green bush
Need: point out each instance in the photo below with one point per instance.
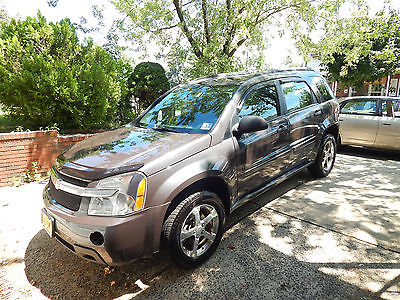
(148, 82)
(48, 77)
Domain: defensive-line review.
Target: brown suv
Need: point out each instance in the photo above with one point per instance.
(200, 151)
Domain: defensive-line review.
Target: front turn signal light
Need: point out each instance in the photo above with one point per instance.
(139, 203)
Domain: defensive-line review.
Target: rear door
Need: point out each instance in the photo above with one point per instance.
(304, 115)
(388, 135)
(359, 122)
(262, 155)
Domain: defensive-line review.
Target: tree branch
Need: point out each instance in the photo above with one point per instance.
(204, 12)
(258, 20)
(237, 46)
(232, 30)
(163, 28)
(185, 29)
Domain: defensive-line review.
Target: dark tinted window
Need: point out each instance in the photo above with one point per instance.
(297, 95)
(192, 109)
(323, 88)
(359, 107)
(261, 102)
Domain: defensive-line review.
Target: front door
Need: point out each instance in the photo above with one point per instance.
(359, 122)
(262, 155)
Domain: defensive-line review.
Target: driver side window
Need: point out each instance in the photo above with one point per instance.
(262, 102)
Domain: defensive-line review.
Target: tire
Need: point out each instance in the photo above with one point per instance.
(188, 239)
(325, 158)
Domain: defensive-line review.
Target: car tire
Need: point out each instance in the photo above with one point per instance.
(193, 230)
(325, 159)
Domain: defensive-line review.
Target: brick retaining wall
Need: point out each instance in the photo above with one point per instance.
(19, 149)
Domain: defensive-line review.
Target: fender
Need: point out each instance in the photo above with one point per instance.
(215, 162)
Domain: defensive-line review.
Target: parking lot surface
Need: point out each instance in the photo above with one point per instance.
(331, 238)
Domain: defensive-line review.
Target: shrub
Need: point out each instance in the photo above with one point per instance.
(48, 77)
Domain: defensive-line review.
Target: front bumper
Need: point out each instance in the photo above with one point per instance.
(123, 239)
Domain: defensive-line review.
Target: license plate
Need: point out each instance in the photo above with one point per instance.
(48, 223)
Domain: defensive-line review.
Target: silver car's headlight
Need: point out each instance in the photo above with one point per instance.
(129, 197)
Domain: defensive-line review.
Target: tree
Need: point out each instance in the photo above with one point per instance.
(125, 110)
(148, 82)
(361, 48)
(47, 76)
(208, 34)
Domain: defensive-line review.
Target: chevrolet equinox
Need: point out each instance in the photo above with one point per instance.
(169, 179)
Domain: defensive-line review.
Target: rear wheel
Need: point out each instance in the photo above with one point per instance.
(194, 229)
(325, 158)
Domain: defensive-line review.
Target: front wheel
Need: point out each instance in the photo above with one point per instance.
(194, 229)
(325, 158)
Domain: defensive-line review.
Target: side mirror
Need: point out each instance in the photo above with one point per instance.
(250, 124)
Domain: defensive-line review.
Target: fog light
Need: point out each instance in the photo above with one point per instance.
(96, 238)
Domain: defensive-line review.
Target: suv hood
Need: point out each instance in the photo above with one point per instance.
(128, 149)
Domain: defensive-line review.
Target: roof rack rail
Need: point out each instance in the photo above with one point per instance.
(293, 69)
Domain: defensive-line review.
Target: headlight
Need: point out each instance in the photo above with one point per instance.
(129, 197)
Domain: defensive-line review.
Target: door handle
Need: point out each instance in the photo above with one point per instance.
(318, 113)
(282, 128)
(387, 124)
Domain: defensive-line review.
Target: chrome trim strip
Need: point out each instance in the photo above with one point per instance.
(60, 184)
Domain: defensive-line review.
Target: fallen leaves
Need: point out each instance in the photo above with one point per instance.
(108, 271)
(129, 284)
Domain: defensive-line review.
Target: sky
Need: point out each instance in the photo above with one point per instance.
(280, 47)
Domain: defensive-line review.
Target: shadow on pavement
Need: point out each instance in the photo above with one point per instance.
(360, 198)
(247, 264)
(370, 153)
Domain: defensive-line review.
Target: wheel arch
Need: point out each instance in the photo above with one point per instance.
(213, 183)
(334, 130)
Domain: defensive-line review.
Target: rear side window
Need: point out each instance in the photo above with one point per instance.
(391, 108)
(323, 88)
(262, 102)
(297, 95)
(359, 107)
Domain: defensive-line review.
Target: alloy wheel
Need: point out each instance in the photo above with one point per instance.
(199, 230)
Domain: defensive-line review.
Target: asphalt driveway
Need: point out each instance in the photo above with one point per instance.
(313, 239)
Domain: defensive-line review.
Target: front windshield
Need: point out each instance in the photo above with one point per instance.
(192, 109)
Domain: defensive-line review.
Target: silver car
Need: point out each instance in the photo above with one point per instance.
(370, 122)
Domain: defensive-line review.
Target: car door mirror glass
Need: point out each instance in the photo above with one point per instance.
(250, 124)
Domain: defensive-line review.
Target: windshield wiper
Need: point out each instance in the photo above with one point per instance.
(158, 128)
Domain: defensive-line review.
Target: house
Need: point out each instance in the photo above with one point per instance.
(387, 86)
